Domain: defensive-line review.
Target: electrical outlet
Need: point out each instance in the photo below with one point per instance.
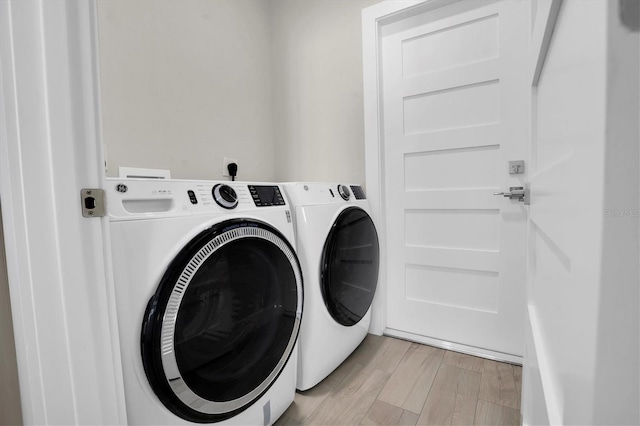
(225, 162)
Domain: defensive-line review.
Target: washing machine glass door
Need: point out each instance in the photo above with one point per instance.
(223, 321)
(349, 267)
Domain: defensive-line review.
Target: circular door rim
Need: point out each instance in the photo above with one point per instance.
(169, 363)
(324, 263)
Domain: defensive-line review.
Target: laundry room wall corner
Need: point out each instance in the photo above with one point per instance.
(186, 83)
(317, 86)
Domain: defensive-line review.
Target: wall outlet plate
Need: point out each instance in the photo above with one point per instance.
(225, 162)
(516, 167)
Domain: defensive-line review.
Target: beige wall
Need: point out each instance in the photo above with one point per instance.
(185, 83)
(317, 63)
(10, 409)
(276, 84)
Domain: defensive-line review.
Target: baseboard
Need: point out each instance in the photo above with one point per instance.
(457, 347)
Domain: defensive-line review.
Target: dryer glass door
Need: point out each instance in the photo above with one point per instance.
(350, 263)
(224, 321)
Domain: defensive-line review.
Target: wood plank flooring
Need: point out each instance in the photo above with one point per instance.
(389, 381)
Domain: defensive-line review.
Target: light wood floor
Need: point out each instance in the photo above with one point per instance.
(388, 381)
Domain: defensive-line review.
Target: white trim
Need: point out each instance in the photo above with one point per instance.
(541, 38)
(371, 18)
(551, 397)
(66, 334)
(457, 347)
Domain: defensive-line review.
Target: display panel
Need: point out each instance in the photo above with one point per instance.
(266, 195)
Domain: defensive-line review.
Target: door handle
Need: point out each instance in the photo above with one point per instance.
(516, 193)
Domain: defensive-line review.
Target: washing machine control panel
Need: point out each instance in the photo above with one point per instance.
(225, 196)
(343, 190)
(266, 195)
(129, 198)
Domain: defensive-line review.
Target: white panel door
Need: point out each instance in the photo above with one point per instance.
(455, 110)
(62, 303)
(581, 354)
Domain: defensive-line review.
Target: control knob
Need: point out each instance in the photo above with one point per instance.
(225, 196)
(343, 190)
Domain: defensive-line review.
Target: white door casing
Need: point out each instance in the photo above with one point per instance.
(582, 332)
(455, 103)
(373, 18)
(63, 310)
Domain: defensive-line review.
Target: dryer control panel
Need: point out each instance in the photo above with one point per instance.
(312, 193)
(266, 195)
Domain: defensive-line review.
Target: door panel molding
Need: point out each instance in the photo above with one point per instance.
(544, 22)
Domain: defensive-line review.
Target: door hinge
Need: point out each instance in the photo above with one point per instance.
(92, 202)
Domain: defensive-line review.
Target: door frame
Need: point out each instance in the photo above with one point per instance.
(58, 262)
(373, 19)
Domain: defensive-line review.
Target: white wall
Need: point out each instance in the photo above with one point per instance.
(276, 84)
(185, 83)
(317, 70)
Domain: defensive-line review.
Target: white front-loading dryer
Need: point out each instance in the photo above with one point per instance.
(337, 245)
(209, 300)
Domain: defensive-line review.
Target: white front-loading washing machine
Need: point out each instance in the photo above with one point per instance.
(337, 245)
(209, 300)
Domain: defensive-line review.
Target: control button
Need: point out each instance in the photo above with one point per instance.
(228, 193)
(225, 196)
(192, 197)
(344, 192)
